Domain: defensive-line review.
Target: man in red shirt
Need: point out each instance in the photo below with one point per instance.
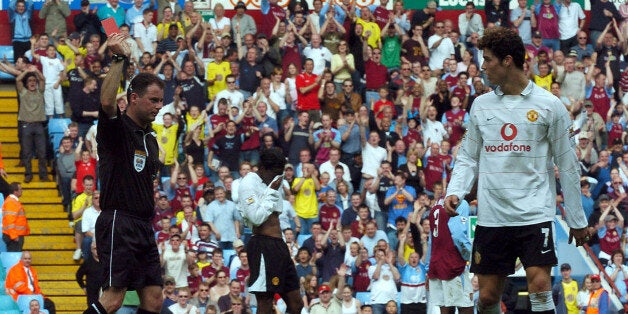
(329, 213)
(307, 91)
(376, 75)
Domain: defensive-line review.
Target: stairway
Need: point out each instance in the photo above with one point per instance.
(51, 241)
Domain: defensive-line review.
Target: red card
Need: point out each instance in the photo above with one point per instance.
(110, 26)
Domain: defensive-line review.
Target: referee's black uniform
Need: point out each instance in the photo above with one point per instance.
(129, 161)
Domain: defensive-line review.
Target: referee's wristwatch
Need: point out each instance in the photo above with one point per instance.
(118, 58)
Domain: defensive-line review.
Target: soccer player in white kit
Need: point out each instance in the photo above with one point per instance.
(515, 136)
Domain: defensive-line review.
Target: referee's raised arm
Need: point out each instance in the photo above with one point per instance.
(110, 85)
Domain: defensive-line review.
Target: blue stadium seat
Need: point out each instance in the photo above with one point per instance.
(301, 238)
(23, 301)
(7, 304)
(364, 297)
(9, 259)
(56, 131)
(6, 51)
(3, 291)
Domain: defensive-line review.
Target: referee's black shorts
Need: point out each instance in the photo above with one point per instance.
(127, 251)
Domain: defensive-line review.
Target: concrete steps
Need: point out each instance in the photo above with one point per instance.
(52, 240)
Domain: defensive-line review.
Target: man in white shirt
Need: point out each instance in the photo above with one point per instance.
(469, 22)
(441, 48)
(145, 33)
(515, 135)
(319, 54)
(88, 226)
(570, 22)
(234, 96)
(330, 165)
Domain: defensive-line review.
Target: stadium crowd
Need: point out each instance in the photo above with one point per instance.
(368, 104)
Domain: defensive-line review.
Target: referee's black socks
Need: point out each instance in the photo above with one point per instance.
(96, 308)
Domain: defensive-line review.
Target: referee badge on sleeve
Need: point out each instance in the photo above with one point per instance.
(139, 160)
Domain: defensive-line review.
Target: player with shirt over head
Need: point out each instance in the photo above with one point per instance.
(515, 136)
(260, 203)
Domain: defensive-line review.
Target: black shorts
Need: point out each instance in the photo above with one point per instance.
(496, 249)
(272, 268)
(127, 250)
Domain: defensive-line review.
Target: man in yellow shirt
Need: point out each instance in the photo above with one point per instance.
(79, 204)
(565, 291)
(217, 72)
(370, 29)
(305, 200)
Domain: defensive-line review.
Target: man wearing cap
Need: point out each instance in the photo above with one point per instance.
(599, 301)
(609, 228)
(592, 123)
(162, 210)
(243, 21)
(329, 302)
(146, 33)
(86, 21)
(565, 291)
(587, 155)
(536, 45)
(166, 22)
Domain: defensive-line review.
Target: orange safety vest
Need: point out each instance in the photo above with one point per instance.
(13, 218)
(17, 280)
(593, 307)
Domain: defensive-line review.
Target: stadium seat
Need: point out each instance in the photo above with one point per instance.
(9, 259)
(6, 51)
(301, 238)
(7, 304)
(3, 291)
(56, 131)
(24, 300)
(364, 297)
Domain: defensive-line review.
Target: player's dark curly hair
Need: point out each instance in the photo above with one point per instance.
(271, 163)
(504, 42)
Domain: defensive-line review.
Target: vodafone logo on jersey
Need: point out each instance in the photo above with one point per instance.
(508, 132)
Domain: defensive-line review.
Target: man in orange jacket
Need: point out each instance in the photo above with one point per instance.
(14, 225)
(22, 279)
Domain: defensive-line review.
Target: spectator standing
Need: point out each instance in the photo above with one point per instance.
(441, 47)
(14, 224)
(53, 69)
(610, 228)
(547, 22)
(145, 33)
(603, 12)
(243, 21)
(20, 14)
(87, 21)
(173, 4)
(31, 117)
(599, 300)
(571, 20)
(524, 20)
(224, 218)
(383, 276)
(307, 84)
(497, 12)
(55, 12)
(84, 104)
(470, 22)
(111, 9)
(271, 12)
(305, 202)
(565, 292)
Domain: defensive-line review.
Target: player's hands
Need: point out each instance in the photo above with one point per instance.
(451, 203)
(582, 236)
